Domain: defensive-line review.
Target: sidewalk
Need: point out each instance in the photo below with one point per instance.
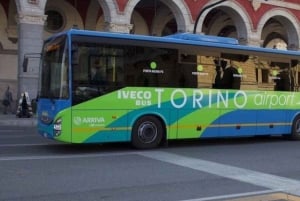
(13, 120)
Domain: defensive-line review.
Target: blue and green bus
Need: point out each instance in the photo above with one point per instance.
(99, 87)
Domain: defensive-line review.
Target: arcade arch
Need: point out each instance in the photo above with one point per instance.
(276, 25)
(139, 25)
(169, 10)
(281, 26)
(94, 13)
(8, 28)
(223, 20)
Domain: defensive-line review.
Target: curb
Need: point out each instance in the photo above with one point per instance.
(12, 120)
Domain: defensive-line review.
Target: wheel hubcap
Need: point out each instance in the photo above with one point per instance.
(147, 132)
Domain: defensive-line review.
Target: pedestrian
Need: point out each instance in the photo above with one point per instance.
(24, 107)
(7, 101)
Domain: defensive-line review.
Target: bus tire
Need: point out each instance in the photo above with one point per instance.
(295, 135)
(147, 132)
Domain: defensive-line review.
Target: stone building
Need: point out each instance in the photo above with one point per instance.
(24, 24)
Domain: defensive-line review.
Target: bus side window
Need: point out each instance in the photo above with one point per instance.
(284, 81)
(230, 79)
(236, 79)
(182, 81)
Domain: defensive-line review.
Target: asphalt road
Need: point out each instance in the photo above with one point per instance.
(36, 169)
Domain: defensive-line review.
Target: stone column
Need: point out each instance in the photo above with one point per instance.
(31, 22)
(254, 40)
(117, 27)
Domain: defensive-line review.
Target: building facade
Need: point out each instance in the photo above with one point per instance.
(24, 24)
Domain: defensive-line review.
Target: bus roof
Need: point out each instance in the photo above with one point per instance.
(193, 40)
(204, 38)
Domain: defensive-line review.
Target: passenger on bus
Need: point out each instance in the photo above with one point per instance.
(231, 78)
(98, 74)
(220, 66)
(284, 82)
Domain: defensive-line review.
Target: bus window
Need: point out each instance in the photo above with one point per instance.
(99, 71)
(227, 75)
(55, 67)
(283, 76)
(152, 67)
(231, 78)
(282, 82)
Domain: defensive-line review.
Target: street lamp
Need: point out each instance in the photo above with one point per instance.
(204, 9)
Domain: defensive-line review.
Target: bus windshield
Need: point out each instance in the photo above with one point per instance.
(54, 74)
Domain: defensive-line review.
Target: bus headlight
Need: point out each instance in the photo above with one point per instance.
(57, 127)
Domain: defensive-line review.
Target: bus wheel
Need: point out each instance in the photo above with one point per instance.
(296, 128)
(147, 132)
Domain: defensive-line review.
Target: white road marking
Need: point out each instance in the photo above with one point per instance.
(270, 181)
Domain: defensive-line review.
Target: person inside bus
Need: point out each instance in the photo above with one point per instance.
(284, 81)
(220, 66)
(231, 78)
(97, 74)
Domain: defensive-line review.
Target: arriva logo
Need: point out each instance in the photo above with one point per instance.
(77, 120)
(88, 120)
